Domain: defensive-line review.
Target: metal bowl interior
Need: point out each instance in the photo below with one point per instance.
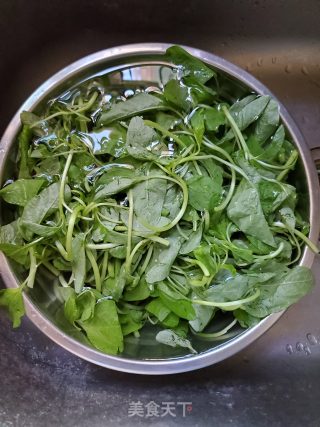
(144, 65)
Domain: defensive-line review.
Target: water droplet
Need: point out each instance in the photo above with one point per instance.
(305, 70)
(289, 349)
(260, 62)
(307, 350)
(273, 60)
(312, 339)
(299, 346)
(128, 93)
(288, 68)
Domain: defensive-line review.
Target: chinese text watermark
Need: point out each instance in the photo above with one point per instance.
(161, 409)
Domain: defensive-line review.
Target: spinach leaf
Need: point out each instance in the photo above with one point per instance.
(138, 293)
(181, 307)
(148, 200)
(21, 191)
(194, 240)
(204, 192)
(245, 211)
(131, 322)
(12, 300)
(116, 184)
(41, 230)
(281, 291)
(143, 142)
(42, 205)
(245, 319)
(203, 316)
(158, 309)
(138, 104)
(178, 94)
(188, 65)
(267, 123)
(248, 114)
(17, 252)
(103, 329)
(197, 123)
(10, 233)
(169, 337)
(214, 119)
(163, 257)
(273, 194)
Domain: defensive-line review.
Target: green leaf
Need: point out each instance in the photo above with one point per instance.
(204, 192)
(245, 211)
(245, 319)
(273, 194)
(113, 286)
(166, 121)
(86, 303)
(162, 258)
(21, 191)
(203, 254)
(233, 288)
(197, 123)
(131, 322)
(203, 316)
(12, 300)
(214, 119)
(169, 337)
(42, 205)
(288, 217)
(18, 253)
(139, 293)
(138, 104)
(28, 227)
(171, 321)
(143, 141)
(188, 65)
(115, 185)
(273, 148)
(103, 329)
(194, 240)
(10, 233)
(178, 94)
(158, 309)
(181, 307)
(71, 310)
(281, 291)
(148, 200)
(267, 123)
(248, 114)
(215, 172)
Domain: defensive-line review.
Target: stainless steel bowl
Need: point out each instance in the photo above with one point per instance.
(145, 356)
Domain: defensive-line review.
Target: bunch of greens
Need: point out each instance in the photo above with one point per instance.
(163, 207)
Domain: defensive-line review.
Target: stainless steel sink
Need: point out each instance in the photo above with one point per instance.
(275, 381)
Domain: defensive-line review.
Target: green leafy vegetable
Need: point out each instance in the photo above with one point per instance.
(160, 205)
(12, 300)
(21, 191)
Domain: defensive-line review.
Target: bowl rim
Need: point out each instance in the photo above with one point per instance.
(185, 363)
